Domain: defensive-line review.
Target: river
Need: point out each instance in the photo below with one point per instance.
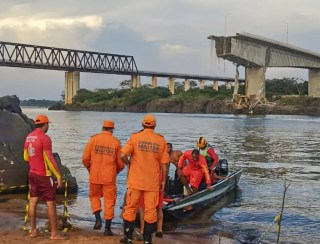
(270, 149)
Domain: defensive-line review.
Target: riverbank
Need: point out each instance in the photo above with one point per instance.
(81, 236)
(282, 106)
(11, 221)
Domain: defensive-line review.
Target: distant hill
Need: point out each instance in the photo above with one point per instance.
(37, 103)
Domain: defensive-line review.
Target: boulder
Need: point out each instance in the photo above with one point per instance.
(14, 127)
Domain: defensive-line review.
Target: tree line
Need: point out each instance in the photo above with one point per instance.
(37, 103)
(126, 96)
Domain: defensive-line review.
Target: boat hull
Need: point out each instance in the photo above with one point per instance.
(188, 206)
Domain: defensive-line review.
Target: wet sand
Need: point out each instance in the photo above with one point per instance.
(11, 222)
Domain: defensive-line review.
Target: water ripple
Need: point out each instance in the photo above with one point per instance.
(270, 149)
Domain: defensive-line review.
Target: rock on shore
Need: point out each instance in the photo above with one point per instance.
(14, 127)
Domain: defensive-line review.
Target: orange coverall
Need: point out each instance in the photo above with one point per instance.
(194, 170)
(148, 151)
(102, 158)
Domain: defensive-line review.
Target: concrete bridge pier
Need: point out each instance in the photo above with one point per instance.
(186, 85)
(135, 81)
(216, 85)
(72, 85)
(201, 84)
(255, 82)
(171, 85)
(236, 85)
(154, 81)
(228, 85)
(314, 83)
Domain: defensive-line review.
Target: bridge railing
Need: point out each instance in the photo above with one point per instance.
(42, 57)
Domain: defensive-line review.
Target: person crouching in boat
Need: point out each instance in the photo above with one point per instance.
(194, 171)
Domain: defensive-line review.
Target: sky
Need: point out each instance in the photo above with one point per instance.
(162, 35)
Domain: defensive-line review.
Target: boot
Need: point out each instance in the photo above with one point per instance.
(107, 231)
(98, 223)
(128, 228)
(148, 231)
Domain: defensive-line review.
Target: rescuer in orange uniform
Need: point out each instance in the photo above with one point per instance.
(159, 214)
(102, 158)
(38, 152)
(194, 171)
(148, 157)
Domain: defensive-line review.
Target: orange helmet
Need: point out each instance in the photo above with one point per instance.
(41, 119)
(108, 124)
(201, 142)
(149, 120)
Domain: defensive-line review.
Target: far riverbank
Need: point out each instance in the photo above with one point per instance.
(282, 106)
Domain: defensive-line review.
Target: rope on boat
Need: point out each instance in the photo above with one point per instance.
(268, 228)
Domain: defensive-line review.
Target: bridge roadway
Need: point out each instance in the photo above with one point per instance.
(185, 76)
(257, 53)
(76, 61)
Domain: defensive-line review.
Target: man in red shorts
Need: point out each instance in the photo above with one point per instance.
(194, 171)
(38, 152)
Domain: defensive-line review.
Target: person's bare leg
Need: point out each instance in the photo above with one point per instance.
(52, 215)
(184, 181)
(194, 189)
(159, 222)
(141, 211)
(33, 202)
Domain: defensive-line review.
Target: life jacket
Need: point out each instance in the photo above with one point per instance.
(205, 154)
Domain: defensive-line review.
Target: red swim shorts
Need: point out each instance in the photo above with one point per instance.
(42, 186)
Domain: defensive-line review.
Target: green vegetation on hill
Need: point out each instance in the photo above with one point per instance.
(285, 86)
(126, 96)
(145, 94)
(287, 96)
(37, 103)
(120, 97)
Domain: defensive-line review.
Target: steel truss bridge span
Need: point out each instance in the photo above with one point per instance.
(42, 57)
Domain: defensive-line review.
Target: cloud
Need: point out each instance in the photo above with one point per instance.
(174, 49)
(45, 24)
(168, 36)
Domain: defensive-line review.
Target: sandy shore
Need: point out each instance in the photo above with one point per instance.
(81, 236)
(11, 223)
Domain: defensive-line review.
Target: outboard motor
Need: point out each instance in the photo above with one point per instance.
(222, 168)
